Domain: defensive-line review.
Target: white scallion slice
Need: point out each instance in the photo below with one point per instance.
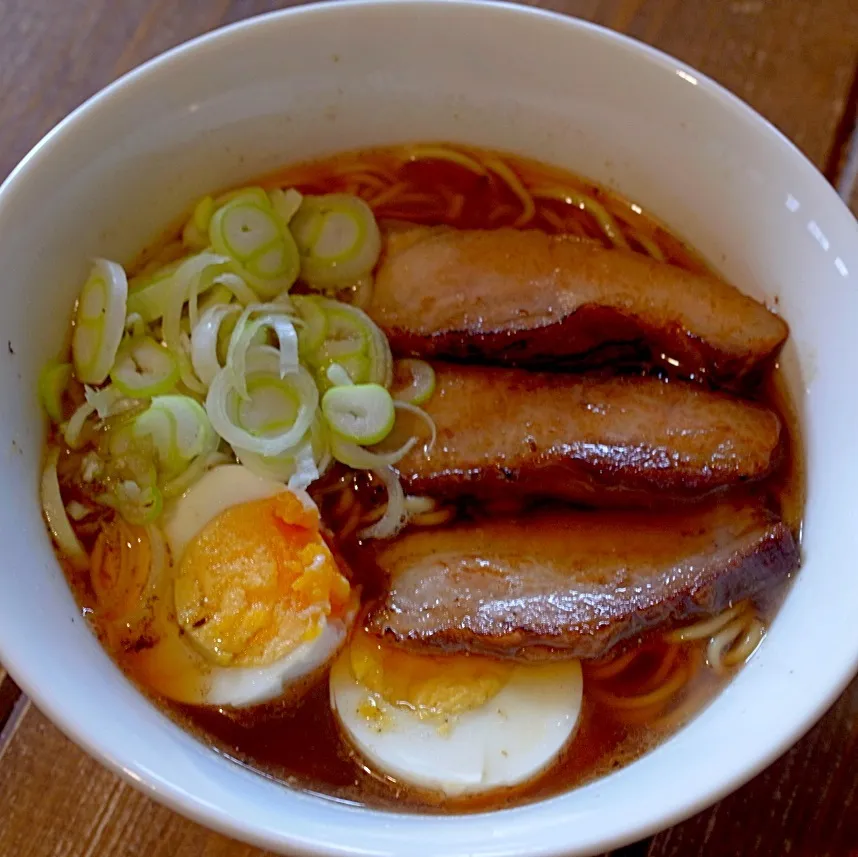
(299, 466)
(53, 381)
(338, 239)
(352, 337)
(149, 296)
(140, 506)
(55, 514)
(260, 246)
(413, 381)
(285, 203)
(195, 235)
(205, 340)
(314, 330)
(359, 458)
(180, 431)
(203, 462)
(73, 429)
(361, 413)
(247, 331)
(223, 401)
(99, 321)
(395, 515)
(144, 368)
(421, 415)
(338, 375)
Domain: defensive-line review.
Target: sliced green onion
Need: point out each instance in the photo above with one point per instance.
(217, 295)
(352, 334)
(135, 326)
(421, 415)
(361, 413)
(256, 195)
(313, 331)
(395, 514)
(268, 408)
(337, 237)
(203, 462)
(180, 431)
(357, 457)
(137, 505)
(55, 514)
(260, 246)
(419, 504)
(413, 381)
(73, 429)
(243, 336)
(338, 375)
(53, 381)
(205, 339)
(285, 203)
(299, 466)
(99, 321)
(240, 290)
(149, 296)
(144, 368)
(105, 401)
(195, 235)
(223, 400)
(194, 275)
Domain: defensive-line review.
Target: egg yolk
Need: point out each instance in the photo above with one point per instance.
(439, 686)
(257, 581)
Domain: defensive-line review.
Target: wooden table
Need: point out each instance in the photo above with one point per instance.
(796, 61)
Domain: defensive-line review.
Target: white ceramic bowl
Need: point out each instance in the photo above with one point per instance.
(312, 81)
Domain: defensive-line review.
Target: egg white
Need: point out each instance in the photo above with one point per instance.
(215, 492)
(240, 687)
(509, 739)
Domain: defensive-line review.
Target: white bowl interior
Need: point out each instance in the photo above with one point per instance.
(303, 84)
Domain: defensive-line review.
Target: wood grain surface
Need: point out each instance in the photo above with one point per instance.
(793, 60)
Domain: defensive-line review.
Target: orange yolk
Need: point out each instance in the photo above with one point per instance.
(257, 581)
(440, 686)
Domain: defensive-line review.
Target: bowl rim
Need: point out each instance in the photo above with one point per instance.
(149, 781)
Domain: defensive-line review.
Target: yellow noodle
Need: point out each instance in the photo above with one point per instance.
(653, 698)
(500, 212)
(443, 153)
(662, 672)
(373, 514)
(647, 243)
(607, 223)
(351, 523)
(345, 503)
(368, 179)
(500, 169)
(433, 519)
(553, 219)
(753, 636)
(600, 670)
(721, 642)
(388, 194)
(457, 203)
(706, 627)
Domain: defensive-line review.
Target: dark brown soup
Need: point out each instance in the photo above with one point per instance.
(639, 692)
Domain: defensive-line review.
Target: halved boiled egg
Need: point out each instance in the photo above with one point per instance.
(257, 600)
(459, 724)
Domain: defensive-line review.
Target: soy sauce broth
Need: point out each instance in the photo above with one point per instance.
(299, 743)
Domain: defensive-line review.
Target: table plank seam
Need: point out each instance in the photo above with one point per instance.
(842, 153)
(13, 721)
